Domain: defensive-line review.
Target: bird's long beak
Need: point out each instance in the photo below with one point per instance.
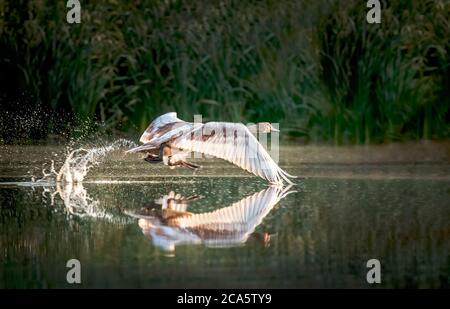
(273, 129)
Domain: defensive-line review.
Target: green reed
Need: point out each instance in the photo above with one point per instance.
(317, 67)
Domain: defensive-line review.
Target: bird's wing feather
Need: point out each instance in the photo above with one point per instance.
(178, 129)
(235, 143)
(160, 126)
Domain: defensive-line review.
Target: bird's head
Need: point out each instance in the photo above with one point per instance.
(266, 127)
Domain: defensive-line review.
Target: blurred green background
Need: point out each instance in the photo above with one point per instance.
(316, 67)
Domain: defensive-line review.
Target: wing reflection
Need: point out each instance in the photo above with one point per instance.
(168, 223)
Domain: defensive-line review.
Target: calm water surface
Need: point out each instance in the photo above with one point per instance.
(322, 235)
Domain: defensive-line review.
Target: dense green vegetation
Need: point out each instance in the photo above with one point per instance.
(317, 67)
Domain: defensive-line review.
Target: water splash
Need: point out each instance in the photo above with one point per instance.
(78, 203)
(79, 161)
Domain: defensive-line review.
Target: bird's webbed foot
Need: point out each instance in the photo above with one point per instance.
(152, 158)
(173, 162)
(192, 166)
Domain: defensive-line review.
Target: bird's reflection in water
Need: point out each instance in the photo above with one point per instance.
(168, 223)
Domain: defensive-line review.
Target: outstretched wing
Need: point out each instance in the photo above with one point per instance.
(160, 126)
(161, 130)
(235, 143)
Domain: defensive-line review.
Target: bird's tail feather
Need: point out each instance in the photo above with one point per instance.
(141, 148)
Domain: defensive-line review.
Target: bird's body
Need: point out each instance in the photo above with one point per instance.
(233, 142)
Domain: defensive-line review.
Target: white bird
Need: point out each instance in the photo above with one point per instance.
(233, 142)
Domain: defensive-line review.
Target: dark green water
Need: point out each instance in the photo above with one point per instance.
(320, 236)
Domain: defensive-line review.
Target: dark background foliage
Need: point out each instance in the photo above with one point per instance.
(317, 67)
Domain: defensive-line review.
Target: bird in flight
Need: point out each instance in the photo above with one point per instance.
(169, 139)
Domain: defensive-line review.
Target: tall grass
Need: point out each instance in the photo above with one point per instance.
(317, 67)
